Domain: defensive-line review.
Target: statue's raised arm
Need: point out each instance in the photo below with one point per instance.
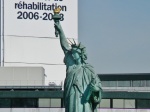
(63, 40)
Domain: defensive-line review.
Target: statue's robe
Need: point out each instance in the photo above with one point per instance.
(76, 88)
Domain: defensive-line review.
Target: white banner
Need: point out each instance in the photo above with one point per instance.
(34, 17)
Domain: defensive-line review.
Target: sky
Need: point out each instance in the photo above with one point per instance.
(116, 34)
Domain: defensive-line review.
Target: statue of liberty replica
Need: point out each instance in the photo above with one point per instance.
(82, 87)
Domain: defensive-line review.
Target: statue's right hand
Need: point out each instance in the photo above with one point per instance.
(58, 26)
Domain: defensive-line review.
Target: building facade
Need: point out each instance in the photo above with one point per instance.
(120, 91)
(27, 34)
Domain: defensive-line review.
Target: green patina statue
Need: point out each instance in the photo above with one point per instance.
(82, 87)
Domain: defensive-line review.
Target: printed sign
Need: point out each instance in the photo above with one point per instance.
(33, 18)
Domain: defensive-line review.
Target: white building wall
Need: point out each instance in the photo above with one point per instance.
(54, 73)
(30, 50)
(30, 42)
(22, 76)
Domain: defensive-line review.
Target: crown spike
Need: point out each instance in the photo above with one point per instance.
(74, 42)
(70, 41)
(80, 44)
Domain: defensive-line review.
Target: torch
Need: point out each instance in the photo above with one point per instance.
(56, 17)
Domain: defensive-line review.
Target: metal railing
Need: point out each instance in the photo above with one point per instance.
(128, 89)
(31, 82)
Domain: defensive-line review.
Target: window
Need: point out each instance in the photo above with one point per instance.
(148, 83)
(138, 83)
(49, 102)
(123, 103)
(129, 103)
(55, 102)
(5, 103)
(109, 83)
(24, 103)
(124, 84)
(118, 103)
(143, 104)
(44, 102)
(105, 103)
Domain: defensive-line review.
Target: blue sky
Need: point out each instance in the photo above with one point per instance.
(116, 34)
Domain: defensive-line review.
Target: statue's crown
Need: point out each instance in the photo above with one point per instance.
(77, 46)
(57, 10)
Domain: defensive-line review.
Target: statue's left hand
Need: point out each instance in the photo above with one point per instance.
(96, 99)
(94, 88)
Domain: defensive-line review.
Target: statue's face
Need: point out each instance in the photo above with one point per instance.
(75, 55)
